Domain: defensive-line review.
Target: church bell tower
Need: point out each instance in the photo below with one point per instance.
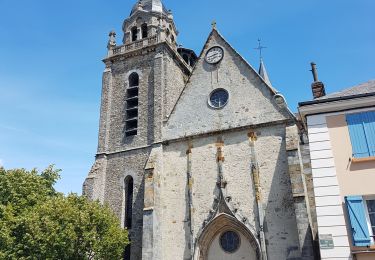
(142, 80)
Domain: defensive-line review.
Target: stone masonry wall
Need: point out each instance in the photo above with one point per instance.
(299, 193)
(161, 80)
(281, 227)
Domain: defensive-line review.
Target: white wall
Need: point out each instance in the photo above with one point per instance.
(327, 191)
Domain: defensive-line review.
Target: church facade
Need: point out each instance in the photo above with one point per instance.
(199, 157)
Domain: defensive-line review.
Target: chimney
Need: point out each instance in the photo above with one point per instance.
(317, 86)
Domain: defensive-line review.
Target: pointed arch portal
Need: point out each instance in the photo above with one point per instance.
(210, 243)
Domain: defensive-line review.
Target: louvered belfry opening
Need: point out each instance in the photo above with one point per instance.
(131, 126)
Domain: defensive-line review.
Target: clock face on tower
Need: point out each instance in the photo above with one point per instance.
(214, 55)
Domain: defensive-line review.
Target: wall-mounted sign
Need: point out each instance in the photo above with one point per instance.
(326, 241)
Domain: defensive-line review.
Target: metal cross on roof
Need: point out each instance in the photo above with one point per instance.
(260, 48)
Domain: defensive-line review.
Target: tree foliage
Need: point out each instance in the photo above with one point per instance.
(36, 222)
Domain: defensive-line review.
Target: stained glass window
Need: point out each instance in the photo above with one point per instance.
(230, 241)
(219, 98)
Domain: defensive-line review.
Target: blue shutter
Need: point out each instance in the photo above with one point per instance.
(369, 124)
(357, 215)
(357, 133)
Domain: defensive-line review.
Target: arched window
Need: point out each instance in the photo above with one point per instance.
(131, 124)
(144, 31)
(133, 80)
(129, 185)
(134, 33)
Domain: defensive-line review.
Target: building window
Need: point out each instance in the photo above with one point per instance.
(131, 124)
(371, 216)
(361, 215)
(186, 58)
(230, 241)
(144, 31)
(362, 133)
(134, 34)
(129, 186)
(218, 98)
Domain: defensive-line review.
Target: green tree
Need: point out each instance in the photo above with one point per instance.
(36, 222)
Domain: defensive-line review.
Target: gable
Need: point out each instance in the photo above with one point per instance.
(250, 98)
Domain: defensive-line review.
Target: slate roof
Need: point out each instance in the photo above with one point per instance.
(364, 88)
(361, 90)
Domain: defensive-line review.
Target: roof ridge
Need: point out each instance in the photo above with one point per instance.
(361, 88)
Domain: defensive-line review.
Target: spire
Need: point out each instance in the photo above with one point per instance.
(262, 69)
(263, 73)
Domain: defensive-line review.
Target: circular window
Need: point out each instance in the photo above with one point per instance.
(218, 98)
(230, 241)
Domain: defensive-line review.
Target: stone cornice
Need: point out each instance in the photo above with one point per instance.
(122, 52)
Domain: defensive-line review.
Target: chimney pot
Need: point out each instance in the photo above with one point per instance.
(317, 86)
(314, 71)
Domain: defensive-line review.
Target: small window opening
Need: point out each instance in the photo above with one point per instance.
(132, 102)
(133, 80)
(172, 39)
(186, 58)
(131, 122)
(134, 34)
(168, 32)
(129, 185)
(144, 31)
(133, 92)
(132, 113)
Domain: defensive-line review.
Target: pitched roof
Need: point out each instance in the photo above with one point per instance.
(215, 31)
(361, 90)
(364, 88)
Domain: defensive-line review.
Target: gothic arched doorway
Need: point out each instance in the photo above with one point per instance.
(226, 238)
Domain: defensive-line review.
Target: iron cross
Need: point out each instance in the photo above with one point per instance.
(260, 48)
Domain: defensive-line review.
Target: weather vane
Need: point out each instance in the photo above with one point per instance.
(260, 48)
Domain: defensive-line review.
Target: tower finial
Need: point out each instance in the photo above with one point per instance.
(111, 40)
(213, 25)
(260, 48)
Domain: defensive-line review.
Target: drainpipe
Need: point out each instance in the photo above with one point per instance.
(255, 173)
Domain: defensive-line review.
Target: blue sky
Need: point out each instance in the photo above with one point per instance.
(51, 51)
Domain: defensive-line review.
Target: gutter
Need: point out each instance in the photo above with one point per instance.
(313, 102)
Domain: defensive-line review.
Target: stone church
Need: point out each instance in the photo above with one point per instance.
(199, 156)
